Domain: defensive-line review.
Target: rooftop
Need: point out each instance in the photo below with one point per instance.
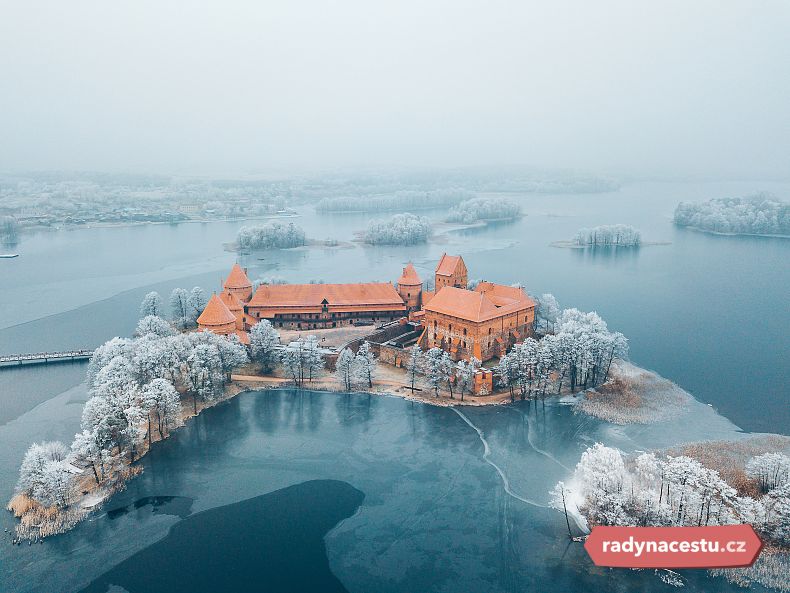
(216, 313)
(371, 293)
(490, 302)
(447, 264)
(237, 278)
(409, 276)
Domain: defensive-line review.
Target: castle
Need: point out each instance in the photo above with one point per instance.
(483, 322)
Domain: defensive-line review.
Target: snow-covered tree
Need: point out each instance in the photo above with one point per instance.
(618, 235)
(153, 325)
(205, 374)
(414, 364)
(151, 305)
(762, 214)
(38, 455)
(180, 309)
(464, 374)
(476, 209)
(771, 470)
(161, 402)
(435, 370)
(314, 359)
(264, 340)
(344, 369)
(777, 506)
(86, 446)
(365, 364)
(548, 310)
(273, 235)
(448, 373)
(302, 359)
(400, 229)
(197, 301)
(57, 484)
(105, 353)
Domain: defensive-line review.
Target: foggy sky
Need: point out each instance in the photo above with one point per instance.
(686, 87)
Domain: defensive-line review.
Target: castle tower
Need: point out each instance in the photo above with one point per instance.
(239, 284)
(450, 271)
(235, 306)
(410, 288)
(217, 318)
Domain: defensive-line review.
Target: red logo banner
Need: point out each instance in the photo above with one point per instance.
(726, 546)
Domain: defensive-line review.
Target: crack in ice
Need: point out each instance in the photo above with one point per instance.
(530, 424)
(486, 458)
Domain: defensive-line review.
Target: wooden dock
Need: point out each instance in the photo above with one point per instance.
(44, 357)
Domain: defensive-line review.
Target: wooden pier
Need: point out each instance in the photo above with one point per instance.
(44, 357)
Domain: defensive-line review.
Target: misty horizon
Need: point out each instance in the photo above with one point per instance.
(624, 89)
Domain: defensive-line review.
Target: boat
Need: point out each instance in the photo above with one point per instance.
(8, 255)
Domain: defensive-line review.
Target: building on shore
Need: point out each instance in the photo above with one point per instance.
(317, 306)
(484, 322)
(410, 288)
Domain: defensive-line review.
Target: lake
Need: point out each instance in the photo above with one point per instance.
(706, 311)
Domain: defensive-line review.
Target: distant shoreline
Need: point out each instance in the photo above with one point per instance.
(723, 234)
(574, 245)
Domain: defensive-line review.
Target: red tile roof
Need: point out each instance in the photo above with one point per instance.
(409, 277)
(448, 264)
(237, 278)
(232, 302)
(216, 314)
(473, 305)
(312, 295)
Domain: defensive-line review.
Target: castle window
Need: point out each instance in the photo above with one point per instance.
(464, 331)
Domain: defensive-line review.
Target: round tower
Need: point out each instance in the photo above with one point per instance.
(217, 318)
(239, 284)
(410, 288)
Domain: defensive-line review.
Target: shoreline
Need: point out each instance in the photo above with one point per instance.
(574, 245)
(723, 234)
(37, 522)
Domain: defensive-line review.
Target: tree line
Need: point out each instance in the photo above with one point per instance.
(400, 229)
(273, 235)
(579, 354)
(760, 214)
(185, 307)
(618, 235)
(476, 209)
(654, 490)
(137, 390)
(396, 201)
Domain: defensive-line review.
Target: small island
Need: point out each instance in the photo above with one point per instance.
(484, 209)
(399, 229)
(760, 214)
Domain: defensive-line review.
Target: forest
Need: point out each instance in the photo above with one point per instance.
(476, 209)
(140, 389)
(759, 214)
(397, 201)
(399, 229)
(616, 235)
(273, 235)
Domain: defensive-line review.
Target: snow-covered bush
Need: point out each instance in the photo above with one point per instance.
(400, 229)
(761, 214)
